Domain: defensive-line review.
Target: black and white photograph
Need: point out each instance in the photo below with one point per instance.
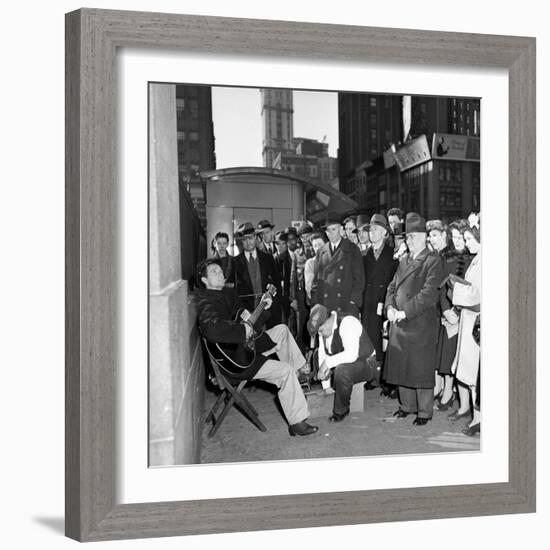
(325, 248)
(242, 281)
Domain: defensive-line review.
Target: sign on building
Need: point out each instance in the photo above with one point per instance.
(455, 147)
(412, 153)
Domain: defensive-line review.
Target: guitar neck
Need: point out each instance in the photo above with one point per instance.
(255, 315)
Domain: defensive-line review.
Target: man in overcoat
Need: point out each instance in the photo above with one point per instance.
(254, 270)
(339, 275)
(380, 268)
(411, 308)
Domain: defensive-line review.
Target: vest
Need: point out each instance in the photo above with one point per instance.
(365, 346)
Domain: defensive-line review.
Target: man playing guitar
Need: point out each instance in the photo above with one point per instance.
(217, 306)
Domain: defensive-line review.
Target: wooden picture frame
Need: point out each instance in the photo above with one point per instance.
(92, 39)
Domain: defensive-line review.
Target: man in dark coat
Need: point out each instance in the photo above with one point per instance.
(217, 307)
(254, 270)
(284, 268)
(264, 237)
(380, 268)
(298, 297)
(339, 275)
(411, 308)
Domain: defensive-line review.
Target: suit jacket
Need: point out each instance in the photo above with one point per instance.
(378, 275)
(217, 310)
(411, 354)
(340, 279)
(269, 275)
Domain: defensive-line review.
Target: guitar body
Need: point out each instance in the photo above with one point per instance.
(233, 358)
(236, 358)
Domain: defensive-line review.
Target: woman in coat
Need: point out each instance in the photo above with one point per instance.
(455, 260)
(466, 364)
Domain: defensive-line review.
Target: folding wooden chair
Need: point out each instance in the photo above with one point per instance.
(231, 394)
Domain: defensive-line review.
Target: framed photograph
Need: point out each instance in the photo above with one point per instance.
(117, 442)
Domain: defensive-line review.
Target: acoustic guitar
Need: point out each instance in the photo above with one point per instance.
(238, 357)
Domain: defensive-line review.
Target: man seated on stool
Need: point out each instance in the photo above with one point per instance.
(345, 347)
(217, 307)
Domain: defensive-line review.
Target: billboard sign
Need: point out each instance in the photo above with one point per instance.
(455, 147)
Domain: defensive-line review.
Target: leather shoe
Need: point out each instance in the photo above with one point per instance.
(400, 414)
(472, 430)
(370, 386)
(335, 417)
(421, 421)
(445, 406)
(302, 428)
(456, 416)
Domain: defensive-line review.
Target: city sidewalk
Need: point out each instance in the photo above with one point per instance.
(371, 432)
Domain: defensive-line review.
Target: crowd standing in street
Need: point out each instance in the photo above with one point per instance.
(390, 300)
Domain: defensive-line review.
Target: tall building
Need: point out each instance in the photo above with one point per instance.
(308, 160)
(367, 125)
(195, 141)
(278, 124)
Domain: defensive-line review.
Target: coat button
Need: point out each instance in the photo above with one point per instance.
(339, 295)
(326, 295)
(341, 267)
(338, 280)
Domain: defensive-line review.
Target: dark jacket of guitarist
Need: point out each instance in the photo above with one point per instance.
(217, 312)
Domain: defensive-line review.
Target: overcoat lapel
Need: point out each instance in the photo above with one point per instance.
(412, 267)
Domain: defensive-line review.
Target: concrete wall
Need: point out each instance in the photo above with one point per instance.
(176, 372)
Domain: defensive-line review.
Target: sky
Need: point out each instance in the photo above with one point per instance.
(238, 123)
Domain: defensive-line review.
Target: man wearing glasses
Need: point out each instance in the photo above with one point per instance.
(411, 308)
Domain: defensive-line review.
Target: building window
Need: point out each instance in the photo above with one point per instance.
(372, 119)
(193, 136)
(194, 108)
(372, 102)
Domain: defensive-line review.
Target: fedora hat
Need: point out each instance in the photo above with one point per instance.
(244, 230)
(362, 221)
(264, 224)
(332, 220)
(317, 316)
(379, 219)
(281, 236)
(304, 229)
(291, 230)
(415, 223)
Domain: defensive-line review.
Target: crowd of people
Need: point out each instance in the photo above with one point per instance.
(389, 300)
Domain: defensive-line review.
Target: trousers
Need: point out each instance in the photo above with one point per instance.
(283, 373)
(345, 376)
(417, 400)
